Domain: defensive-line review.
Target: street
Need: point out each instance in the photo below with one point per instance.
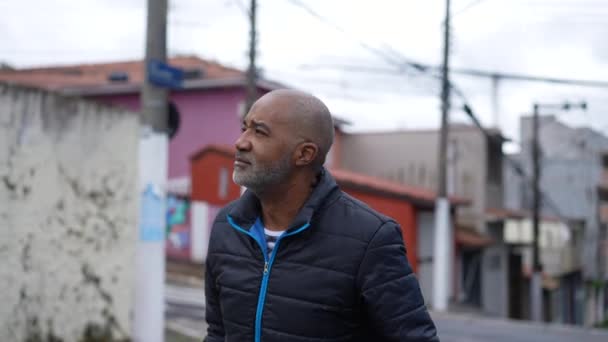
(185, 313)
(185, 310)
(455, 328)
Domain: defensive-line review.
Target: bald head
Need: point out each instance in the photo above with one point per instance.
(308, 117)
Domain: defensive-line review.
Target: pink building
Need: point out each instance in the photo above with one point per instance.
(209, 105)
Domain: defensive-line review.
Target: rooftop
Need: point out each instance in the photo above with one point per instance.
(124, 77)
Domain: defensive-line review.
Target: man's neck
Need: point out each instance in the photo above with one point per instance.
(281, 206)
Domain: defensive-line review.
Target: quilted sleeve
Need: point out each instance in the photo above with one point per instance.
(390, 291)
(213, 314)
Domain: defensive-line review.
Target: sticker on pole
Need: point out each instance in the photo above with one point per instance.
(151, 215)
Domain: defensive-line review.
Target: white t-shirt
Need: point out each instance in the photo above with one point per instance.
(271, 239)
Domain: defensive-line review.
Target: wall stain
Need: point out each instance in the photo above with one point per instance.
(30, 314)
(26, 255)
(11, 186)
(94, 332)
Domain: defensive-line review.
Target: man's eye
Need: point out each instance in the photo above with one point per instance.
(243, 128)
(259, 131)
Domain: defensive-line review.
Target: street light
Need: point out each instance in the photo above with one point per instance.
(536, 280)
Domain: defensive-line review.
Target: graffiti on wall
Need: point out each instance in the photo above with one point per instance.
(178, 226)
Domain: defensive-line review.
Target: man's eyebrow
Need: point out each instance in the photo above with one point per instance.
(258, 124)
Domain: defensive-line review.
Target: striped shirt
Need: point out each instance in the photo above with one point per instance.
(271, 239)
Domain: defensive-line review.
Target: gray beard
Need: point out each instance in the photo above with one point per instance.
(258, 178)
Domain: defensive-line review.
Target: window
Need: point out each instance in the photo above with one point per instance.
(174, 120)
(223, 183)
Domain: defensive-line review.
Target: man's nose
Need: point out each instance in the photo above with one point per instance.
(242, 143)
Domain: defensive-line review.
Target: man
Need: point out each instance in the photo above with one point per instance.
(296, 259)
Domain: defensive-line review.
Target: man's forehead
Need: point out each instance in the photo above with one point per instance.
(270, 113)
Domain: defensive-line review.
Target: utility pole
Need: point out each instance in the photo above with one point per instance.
(537, 267)
(495, 101)
(252, 92)
(443, 232)
(148, 322)
(536, 279)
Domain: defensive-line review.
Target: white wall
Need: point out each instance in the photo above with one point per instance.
(558, 255)
(426, 234)
(494, 280)
(68, 211)
(199, 238)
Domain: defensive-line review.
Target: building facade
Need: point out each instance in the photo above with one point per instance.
(411, 206)
(483, 260)
(571, 181)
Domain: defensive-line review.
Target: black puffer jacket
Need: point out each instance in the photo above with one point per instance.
(339, 273)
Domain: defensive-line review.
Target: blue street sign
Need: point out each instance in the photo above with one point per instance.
(163, 75)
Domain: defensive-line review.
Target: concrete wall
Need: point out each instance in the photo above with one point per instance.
(426, 240)
(411, 157)
(557, 250)
(203, 215)
(494, 280)
(68, 216)
(426, 222)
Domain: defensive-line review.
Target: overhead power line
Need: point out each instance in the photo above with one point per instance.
(242, 7)
(530, 78)
(514, 164)
(470, 72)
(400, 61)
(467, 7)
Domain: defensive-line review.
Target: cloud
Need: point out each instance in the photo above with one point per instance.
(510, 36)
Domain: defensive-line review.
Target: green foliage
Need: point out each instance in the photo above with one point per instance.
(602, 325)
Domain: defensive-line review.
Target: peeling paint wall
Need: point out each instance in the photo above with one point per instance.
(68, 212)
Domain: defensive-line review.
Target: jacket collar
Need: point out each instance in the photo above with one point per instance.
(247, 208)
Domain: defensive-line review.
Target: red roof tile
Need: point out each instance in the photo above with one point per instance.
(390, 187)
(95, 75)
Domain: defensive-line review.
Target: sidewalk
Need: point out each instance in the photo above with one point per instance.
(174, 335)
(190, 276)
(185, 273)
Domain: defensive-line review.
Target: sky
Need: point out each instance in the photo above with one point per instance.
(328, 47)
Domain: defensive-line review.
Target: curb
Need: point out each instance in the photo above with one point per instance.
(183, 330)
(551, 327)
(186, 280)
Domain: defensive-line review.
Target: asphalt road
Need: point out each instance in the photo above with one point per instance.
(455, 328)
(185, 312)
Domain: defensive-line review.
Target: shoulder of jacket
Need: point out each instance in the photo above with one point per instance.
(364, 211)
(221, 216)
(362, 221)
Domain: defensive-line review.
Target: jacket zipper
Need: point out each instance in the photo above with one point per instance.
(265, 273)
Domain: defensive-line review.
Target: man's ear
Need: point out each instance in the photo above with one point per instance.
(306, 154)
